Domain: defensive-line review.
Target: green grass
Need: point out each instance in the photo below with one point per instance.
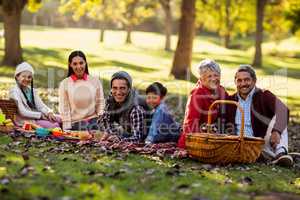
(91, 173)
(83, 172)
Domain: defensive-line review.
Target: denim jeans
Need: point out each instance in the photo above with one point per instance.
(86, 125)
(165, 137)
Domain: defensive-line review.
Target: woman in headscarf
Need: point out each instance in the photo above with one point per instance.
(124, 116)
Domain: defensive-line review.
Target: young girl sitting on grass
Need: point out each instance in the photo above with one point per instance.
(30, 106)
(163, 128)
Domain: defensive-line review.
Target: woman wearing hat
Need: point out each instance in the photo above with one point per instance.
(81, 99)
(30, 106)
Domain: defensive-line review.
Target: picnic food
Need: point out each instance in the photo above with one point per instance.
(57, 132)
(30, 126)
(42, 132)
(82, 135)
(7, 122)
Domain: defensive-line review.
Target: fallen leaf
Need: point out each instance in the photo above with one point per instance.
(246, 181)
(4, 181)
(25, 156)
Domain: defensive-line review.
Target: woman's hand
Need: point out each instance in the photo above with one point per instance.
(44, 117)
(51, 117)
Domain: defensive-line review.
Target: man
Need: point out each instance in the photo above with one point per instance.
(265, 116)
(123, 116)
(207, 90)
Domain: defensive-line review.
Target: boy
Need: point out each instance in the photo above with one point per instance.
(163, 128)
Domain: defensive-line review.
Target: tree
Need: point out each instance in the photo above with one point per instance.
(275, 23)
(11, 12)
(128, 13)
(183, 54)
(166, 5)
(292, 14)
(102, 11)
(133, 13)
(228, 18)
(260, 9)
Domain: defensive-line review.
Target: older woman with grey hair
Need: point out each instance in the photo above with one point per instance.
(207, 90)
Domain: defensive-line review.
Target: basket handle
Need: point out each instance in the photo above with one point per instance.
(227, 102)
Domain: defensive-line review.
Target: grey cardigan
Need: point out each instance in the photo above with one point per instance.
(25, 113)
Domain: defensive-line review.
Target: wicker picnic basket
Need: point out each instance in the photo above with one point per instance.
(9, 108)
(224, 149)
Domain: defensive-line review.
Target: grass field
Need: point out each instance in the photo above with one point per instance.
(82, 172)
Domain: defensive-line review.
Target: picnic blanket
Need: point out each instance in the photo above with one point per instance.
(169, 149)
(159, 149)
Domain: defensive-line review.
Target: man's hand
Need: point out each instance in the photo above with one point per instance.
(104, 137)
(113, 138)
(275, 139)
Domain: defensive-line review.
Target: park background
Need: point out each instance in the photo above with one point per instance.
(159, 40)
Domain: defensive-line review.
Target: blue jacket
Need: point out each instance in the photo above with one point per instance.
(162, 123)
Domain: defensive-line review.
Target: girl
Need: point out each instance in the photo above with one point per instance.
(30, 106)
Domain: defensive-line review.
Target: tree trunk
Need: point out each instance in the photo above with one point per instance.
(168, 23)
(227, 24)
(102, 31)
(12, 50)
(227, 40)
(34, 19)
(128, 36)
(183, 54)
(260, 8)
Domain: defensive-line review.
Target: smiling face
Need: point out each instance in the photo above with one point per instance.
(24, 79)
(119, 90)
(210, 79)
(78, 65)
(244, 83)
(153, 100)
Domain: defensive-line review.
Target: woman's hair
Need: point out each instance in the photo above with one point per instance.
(157, 88)
(208, 64)
(71, 56)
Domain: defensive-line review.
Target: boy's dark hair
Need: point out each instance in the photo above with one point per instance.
(157, 88)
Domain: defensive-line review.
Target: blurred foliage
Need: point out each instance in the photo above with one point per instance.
(292, 14)
(34, 5)
(212, 16)
(124, 12)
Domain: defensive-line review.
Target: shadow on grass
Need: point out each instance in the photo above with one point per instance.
(123, 65)
(46, 75)
(241, 43)
(228, 60)
(143, 50)
(272, 68)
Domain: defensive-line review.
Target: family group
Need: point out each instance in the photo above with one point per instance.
(126, 115)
